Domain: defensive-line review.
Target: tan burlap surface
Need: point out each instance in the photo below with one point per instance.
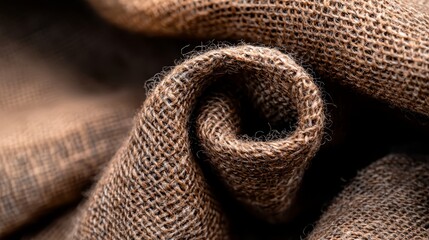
(388, 200)
(377, 47)
(72, 134)
(154, 187)
(62, 114)
(54, 135)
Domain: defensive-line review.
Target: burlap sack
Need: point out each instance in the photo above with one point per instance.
(388, 200)
(377, 47)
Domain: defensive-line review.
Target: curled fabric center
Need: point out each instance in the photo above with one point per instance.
(155, 188)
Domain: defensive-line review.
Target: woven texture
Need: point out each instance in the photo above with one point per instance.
(55, 134)
(377, 47)
(48, 163)
(264, 175)
(388, 200)
(149, 188)
(62, 118)
(231, 138)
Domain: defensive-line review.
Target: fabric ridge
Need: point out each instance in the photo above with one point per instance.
(387, 200)
(159, 146)
(367, 45)
(292, 119)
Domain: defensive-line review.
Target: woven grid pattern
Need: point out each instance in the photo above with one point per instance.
(264, 175)
(45, 163)
(380, 48)
(154, 189)
(68, 94)
(388, 200)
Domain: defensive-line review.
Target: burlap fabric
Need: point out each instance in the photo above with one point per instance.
(377, 47)
(160, 205)
(61, 115)
(67, 103)
(388, 200)
(54, 135)
(149, 188)
(44, 163)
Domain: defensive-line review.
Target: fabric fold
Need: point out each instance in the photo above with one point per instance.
(387, 200)
(39, 172)
(264, 173)
(232, 123)
(379, 48)
(155, 189)
(63, 112)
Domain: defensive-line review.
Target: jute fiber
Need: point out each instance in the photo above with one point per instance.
(43, 170)
(154, 188)
(62, 117)
(73, 138)
(54, 136)
(379, 48)
(387, 200)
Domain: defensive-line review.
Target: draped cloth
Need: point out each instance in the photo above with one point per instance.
(81, 133)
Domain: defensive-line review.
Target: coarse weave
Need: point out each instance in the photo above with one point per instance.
(148, 189)
(380, 48)
(388, 200)
(79, 159)
(61, 115)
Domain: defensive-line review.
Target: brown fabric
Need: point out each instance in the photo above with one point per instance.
(388, 200)
(61, 115)
(154, 188)
(377, 47)
(44, 163)
(264, 174)
(194, 154)
(54, 135)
